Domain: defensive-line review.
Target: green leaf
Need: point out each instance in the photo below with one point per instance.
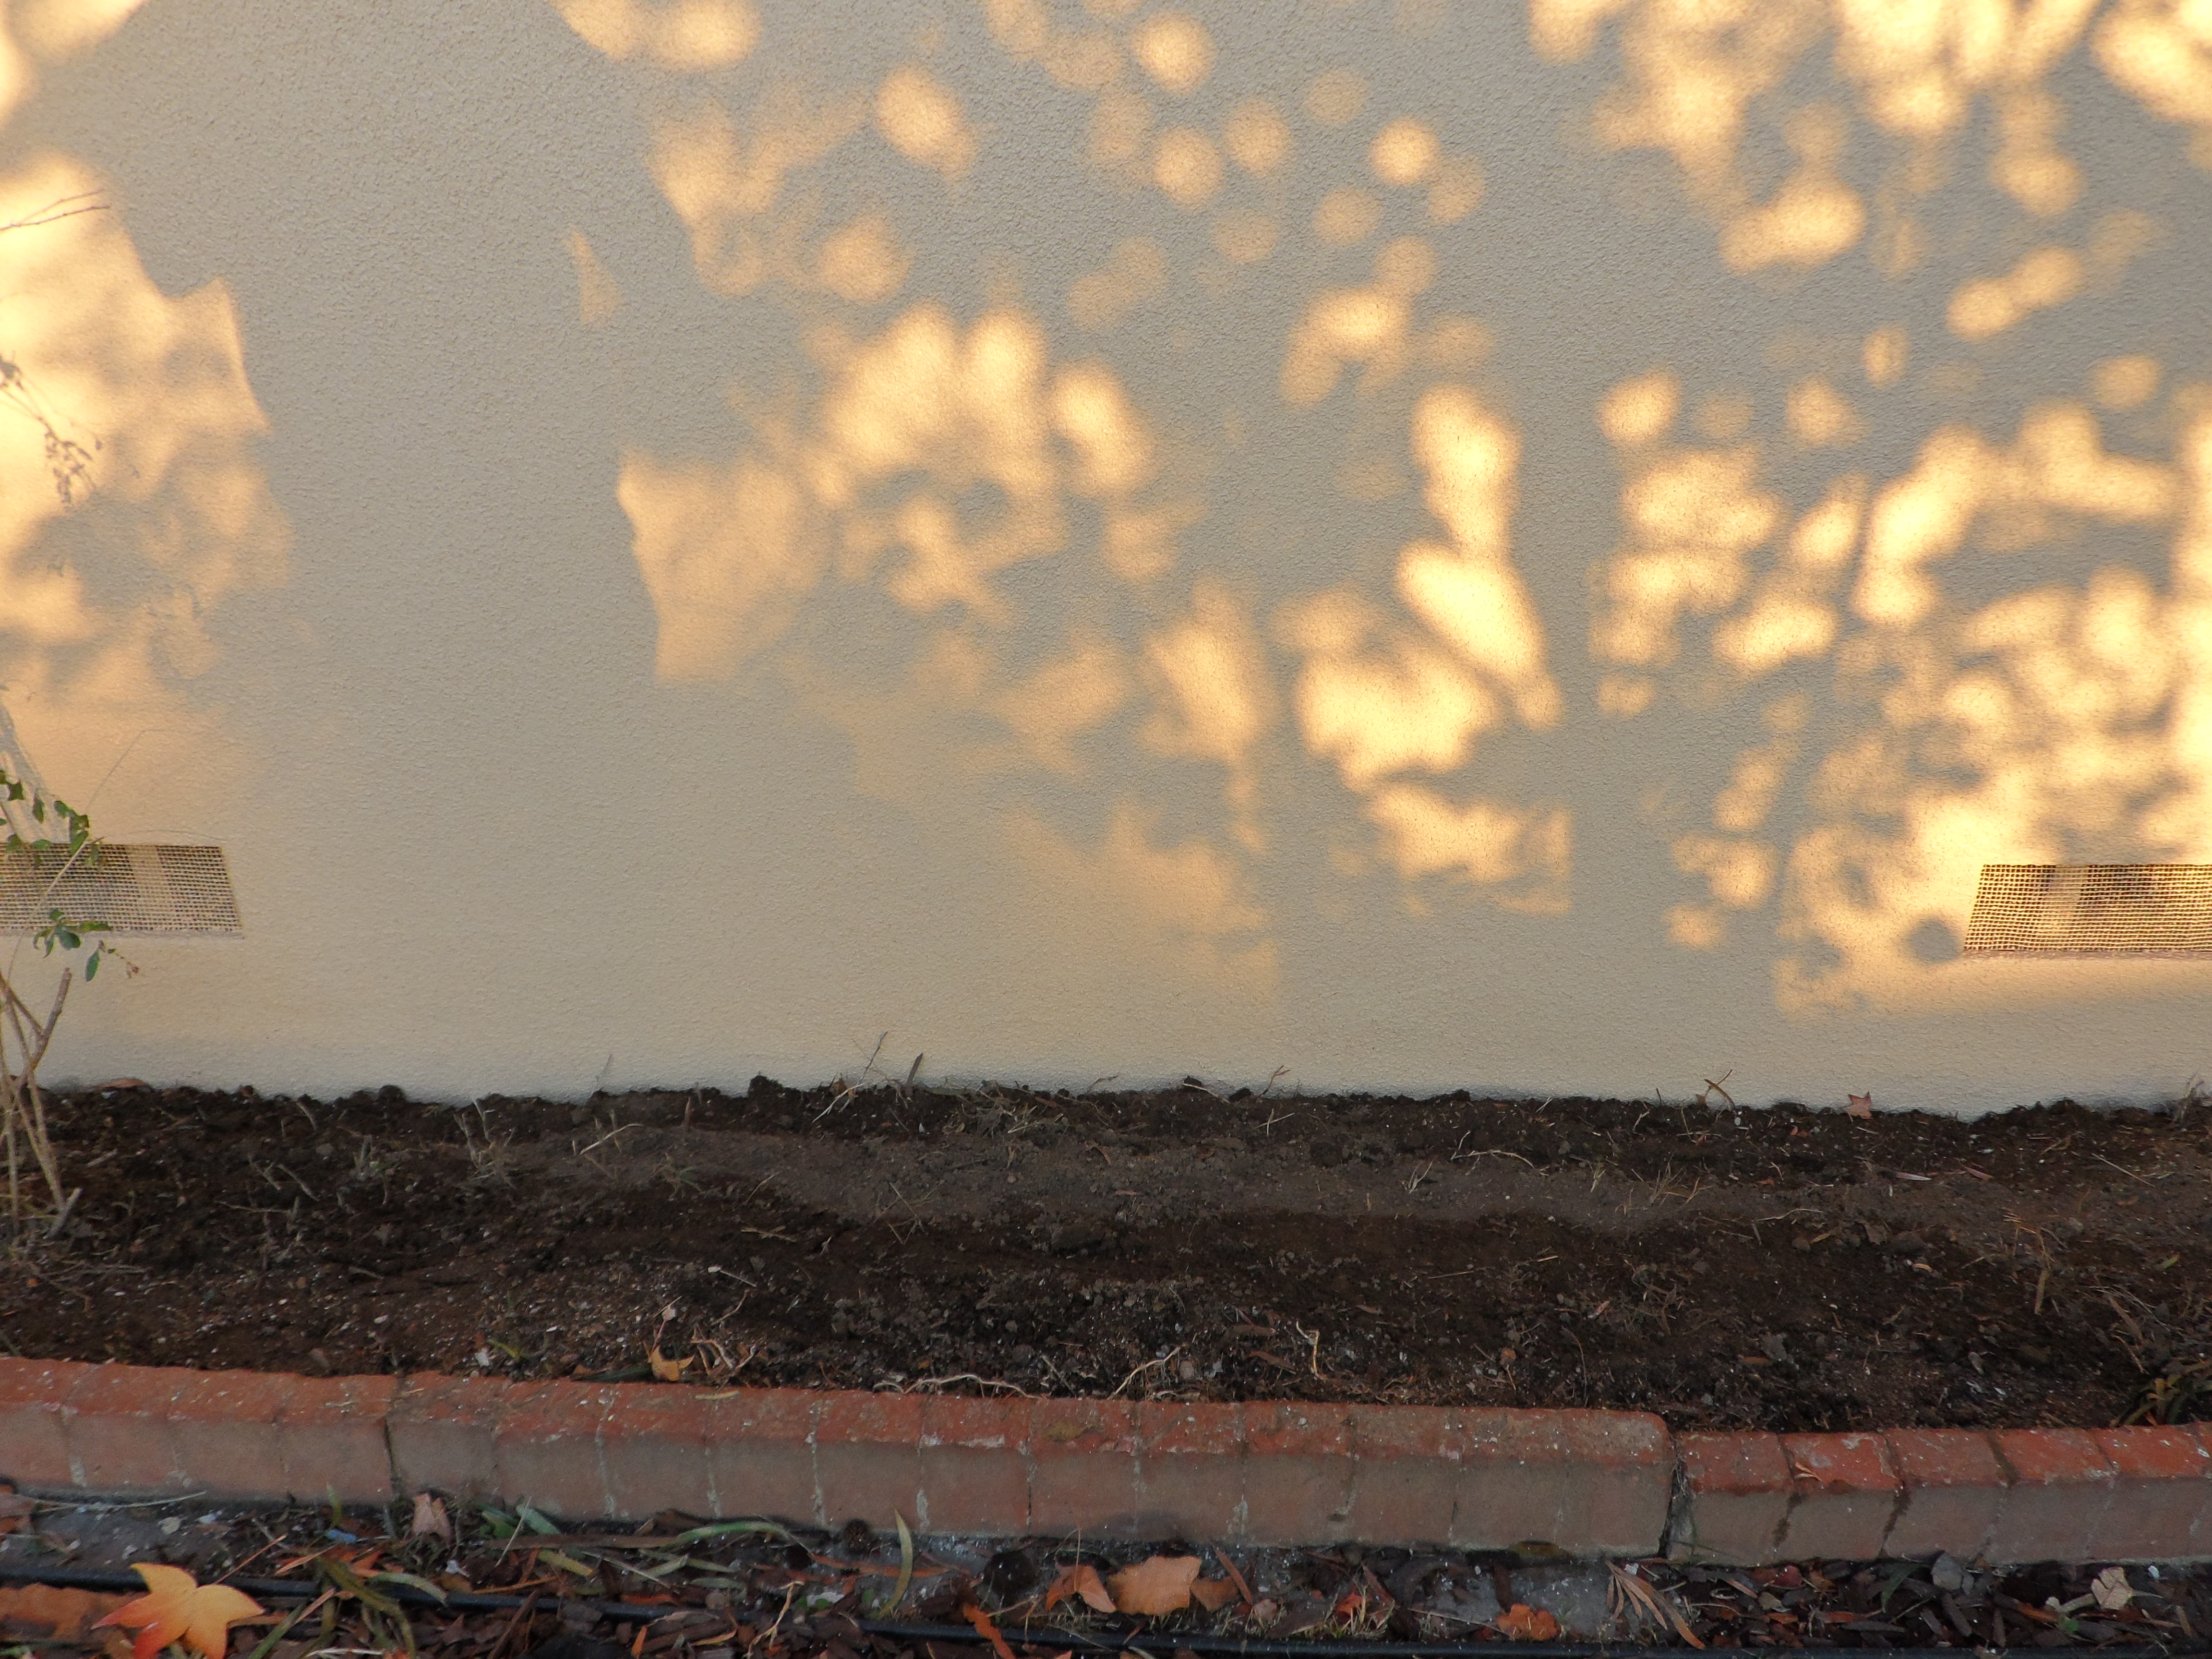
(92, 967)
(38, 808)
(269, 1641)
(906, 1563)
(408, 1579)
(722, 1528)
(347, 1582)
(531, 1519)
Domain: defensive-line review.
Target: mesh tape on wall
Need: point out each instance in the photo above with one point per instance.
(134, 890)
(2091, 910)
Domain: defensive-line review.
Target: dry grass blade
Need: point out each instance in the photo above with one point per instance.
(1648, 1603)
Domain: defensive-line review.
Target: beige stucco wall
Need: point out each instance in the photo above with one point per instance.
(1518, 545)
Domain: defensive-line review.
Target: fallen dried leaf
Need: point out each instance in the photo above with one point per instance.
(177, 1604)
(988, 1631)
(1158, 1584)
(667, 1369)
(431, 1520)
(1522, 1623)
(41, 1613)
(1081, 1582)
(2112, 1588)
(1859, 1105)
(1213, 1594)
(1243, 1589)
(14, 1511)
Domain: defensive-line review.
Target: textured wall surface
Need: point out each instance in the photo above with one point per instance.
(1528, 546)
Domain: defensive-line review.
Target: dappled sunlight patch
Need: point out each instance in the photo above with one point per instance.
(34, 32)
(128, 412)
(1187, 900)
(1214, 697)
(924, 121)
(689, 36)
(1521, 857)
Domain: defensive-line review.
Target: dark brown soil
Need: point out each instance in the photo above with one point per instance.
(1783, 1267)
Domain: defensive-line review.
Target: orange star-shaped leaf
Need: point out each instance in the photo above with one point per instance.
(1522, 1623)
(177, 1604)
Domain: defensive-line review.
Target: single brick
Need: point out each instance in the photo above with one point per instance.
(1846, 1492)
(1406, 1470)
(441, 1430)
(1735, 1498)
(2059, 1485)
(546, 1448)
(34, 1445)
(1618, 1483)
(1083, 1468)
(974, 1466)
(2163, 1488)
(223, 1432)
(762, 1446)
(1190, 1469)
(657, 1448)
(117, 1424)
(1512, 1485)
(1953, 1488)
(867, 1458)
(335, 1433)
(1298, 1472)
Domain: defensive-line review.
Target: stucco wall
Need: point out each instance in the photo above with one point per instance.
(1530, 546)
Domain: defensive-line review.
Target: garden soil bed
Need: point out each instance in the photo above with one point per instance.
(1785, 1269)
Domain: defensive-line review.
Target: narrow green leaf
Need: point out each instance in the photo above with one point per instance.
(531, 1519)
(906, 1562)
(409, 1579)
(721, 1528)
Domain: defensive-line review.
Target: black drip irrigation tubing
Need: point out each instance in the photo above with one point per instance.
(1150, 1642)
(1140, 1642)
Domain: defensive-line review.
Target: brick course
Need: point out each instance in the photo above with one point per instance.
(1287, 1472)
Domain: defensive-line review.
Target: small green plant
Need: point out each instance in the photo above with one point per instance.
(48, 840)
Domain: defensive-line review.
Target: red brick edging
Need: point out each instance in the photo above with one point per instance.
(1610, 1483)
